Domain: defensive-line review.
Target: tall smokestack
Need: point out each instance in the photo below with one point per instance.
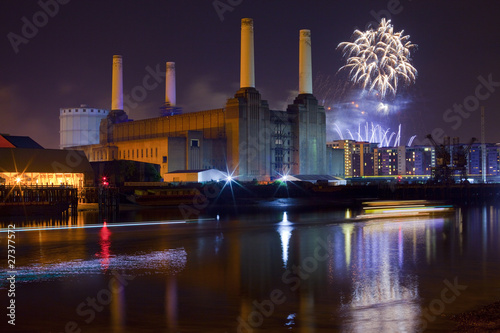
(247, 74)
(305, 63)
(117, 90)
(170, 84)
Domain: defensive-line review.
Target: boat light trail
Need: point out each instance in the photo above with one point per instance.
(109, 225)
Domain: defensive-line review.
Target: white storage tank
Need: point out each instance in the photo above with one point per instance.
(80, 126)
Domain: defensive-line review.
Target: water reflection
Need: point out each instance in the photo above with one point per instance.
(369, 269)
(171, 303)
(485, 230)
(375, 275)
(105, 243)
(347, 230)
(59, 221)
(307, 316)
(118, 309)
(384, 297)
(170, 261)
(285, 230)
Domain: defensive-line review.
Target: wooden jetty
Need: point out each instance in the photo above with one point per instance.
(37, 200)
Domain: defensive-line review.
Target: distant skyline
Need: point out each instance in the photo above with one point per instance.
(58, 54)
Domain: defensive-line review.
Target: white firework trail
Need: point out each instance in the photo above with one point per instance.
(376, 134)
(410, 142)
(379, 59)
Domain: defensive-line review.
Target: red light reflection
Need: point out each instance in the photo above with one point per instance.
(105, 242)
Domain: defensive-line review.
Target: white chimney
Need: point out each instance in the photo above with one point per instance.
(247, 74)
(170, 84)
(117, 90)
(305, 63)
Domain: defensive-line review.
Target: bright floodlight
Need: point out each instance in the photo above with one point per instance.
(284, 178)
(229, 178)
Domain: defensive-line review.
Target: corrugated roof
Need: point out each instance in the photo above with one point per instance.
(43, 160)
(22, 142)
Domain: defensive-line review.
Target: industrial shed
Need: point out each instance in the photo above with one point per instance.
(36, 166)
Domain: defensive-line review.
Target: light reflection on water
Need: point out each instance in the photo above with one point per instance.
(105, 243)
(171, 260)
(380, 286)
(285, 230)
(377, 275)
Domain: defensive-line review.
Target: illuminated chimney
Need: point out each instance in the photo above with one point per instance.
(170, 84)
(305, 64)
(169, 108)
(247, 74)
(117, 90)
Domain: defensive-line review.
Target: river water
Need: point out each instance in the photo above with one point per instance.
(282, 269)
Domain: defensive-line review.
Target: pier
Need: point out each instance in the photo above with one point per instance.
(29, 200)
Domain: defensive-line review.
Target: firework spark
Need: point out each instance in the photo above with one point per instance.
(379, 59)
(377, 134)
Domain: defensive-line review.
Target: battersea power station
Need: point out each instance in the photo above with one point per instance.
(244, 138)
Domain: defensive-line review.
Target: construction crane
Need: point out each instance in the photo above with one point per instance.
(441, 173)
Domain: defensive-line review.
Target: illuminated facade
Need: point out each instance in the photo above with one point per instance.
(492, 160)
(43, 178)
(385, 161)
(33, 166)
(348, 146)
(358, 157)
(419, 160)
(362, 159)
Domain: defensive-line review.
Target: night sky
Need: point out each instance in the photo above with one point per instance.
(67, 62)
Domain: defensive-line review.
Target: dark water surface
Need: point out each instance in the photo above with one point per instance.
(261, 271)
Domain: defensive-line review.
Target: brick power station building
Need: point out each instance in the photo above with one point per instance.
(244, 138)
